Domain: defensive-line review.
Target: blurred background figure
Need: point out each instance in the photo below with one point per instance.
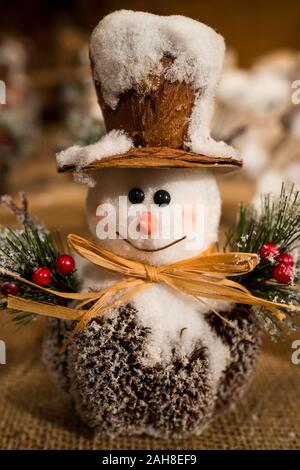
(83, 117)
(250, 105)
(19, 112)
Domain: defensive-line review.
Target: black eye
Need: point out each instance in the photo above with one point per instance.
(136, 195)
(162, 197)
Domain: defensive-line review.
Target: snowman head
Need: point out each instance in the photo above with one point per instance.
(154, 216)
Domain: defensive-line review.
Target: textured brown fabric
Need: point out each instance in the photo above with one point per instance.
(35, 416)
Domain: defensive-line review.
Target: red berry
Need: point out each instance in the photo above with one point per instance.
(287, 259)
(269, 251)
(65, 264)
(42, 277)
(9, 288)
(283, 274)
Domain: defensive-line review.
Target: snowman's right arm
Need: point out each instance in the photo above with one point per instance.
(54, 357)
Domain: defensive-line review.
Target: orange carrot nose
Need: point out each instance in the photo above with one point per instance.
(148, 223)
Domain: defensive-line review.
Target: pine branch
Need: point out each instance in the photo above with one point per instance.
(22, 251)
(278, 221)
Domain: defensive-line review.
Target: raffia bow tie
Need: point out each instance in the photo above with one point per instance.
(203, 276)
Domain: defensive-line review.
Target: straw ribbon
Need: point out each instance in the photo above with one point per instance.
(152, 273)
(203, 276)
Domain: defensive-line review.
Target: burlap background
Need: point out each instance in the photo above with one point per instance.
(34, 416)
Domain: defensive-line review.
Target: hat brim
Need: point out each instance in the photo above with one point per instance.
(159, 157)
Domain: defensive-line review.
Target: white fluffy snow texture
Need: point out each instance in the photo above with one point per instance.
(178, 321)
(127, 46)
(114, 143)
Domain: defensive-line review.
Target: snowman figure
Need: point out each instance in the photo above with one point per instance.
(162, 363)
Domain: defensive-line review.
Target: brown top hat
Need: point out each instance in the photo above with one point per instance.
(156, 117)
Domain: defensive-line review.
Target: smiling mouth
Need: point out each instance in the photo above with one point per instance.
(151, 250)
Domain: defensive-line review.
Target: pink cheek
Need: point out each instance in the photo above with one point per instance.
(189, 214)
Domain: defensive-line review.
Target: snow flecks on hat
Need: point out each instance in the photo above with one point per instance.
(127, 47)
(114, 143)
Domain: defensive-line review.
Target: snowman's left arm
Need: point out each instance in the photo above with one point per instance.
(244, 343)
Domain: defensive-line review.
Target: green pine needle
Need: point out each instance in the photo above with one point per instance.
(23, 250)
(277, 221)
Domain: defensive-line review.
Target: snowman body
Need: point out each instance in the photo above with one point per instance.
(162, 363)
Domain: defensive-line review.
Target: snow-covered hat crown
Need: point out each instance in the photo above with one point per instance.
(155, 79)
